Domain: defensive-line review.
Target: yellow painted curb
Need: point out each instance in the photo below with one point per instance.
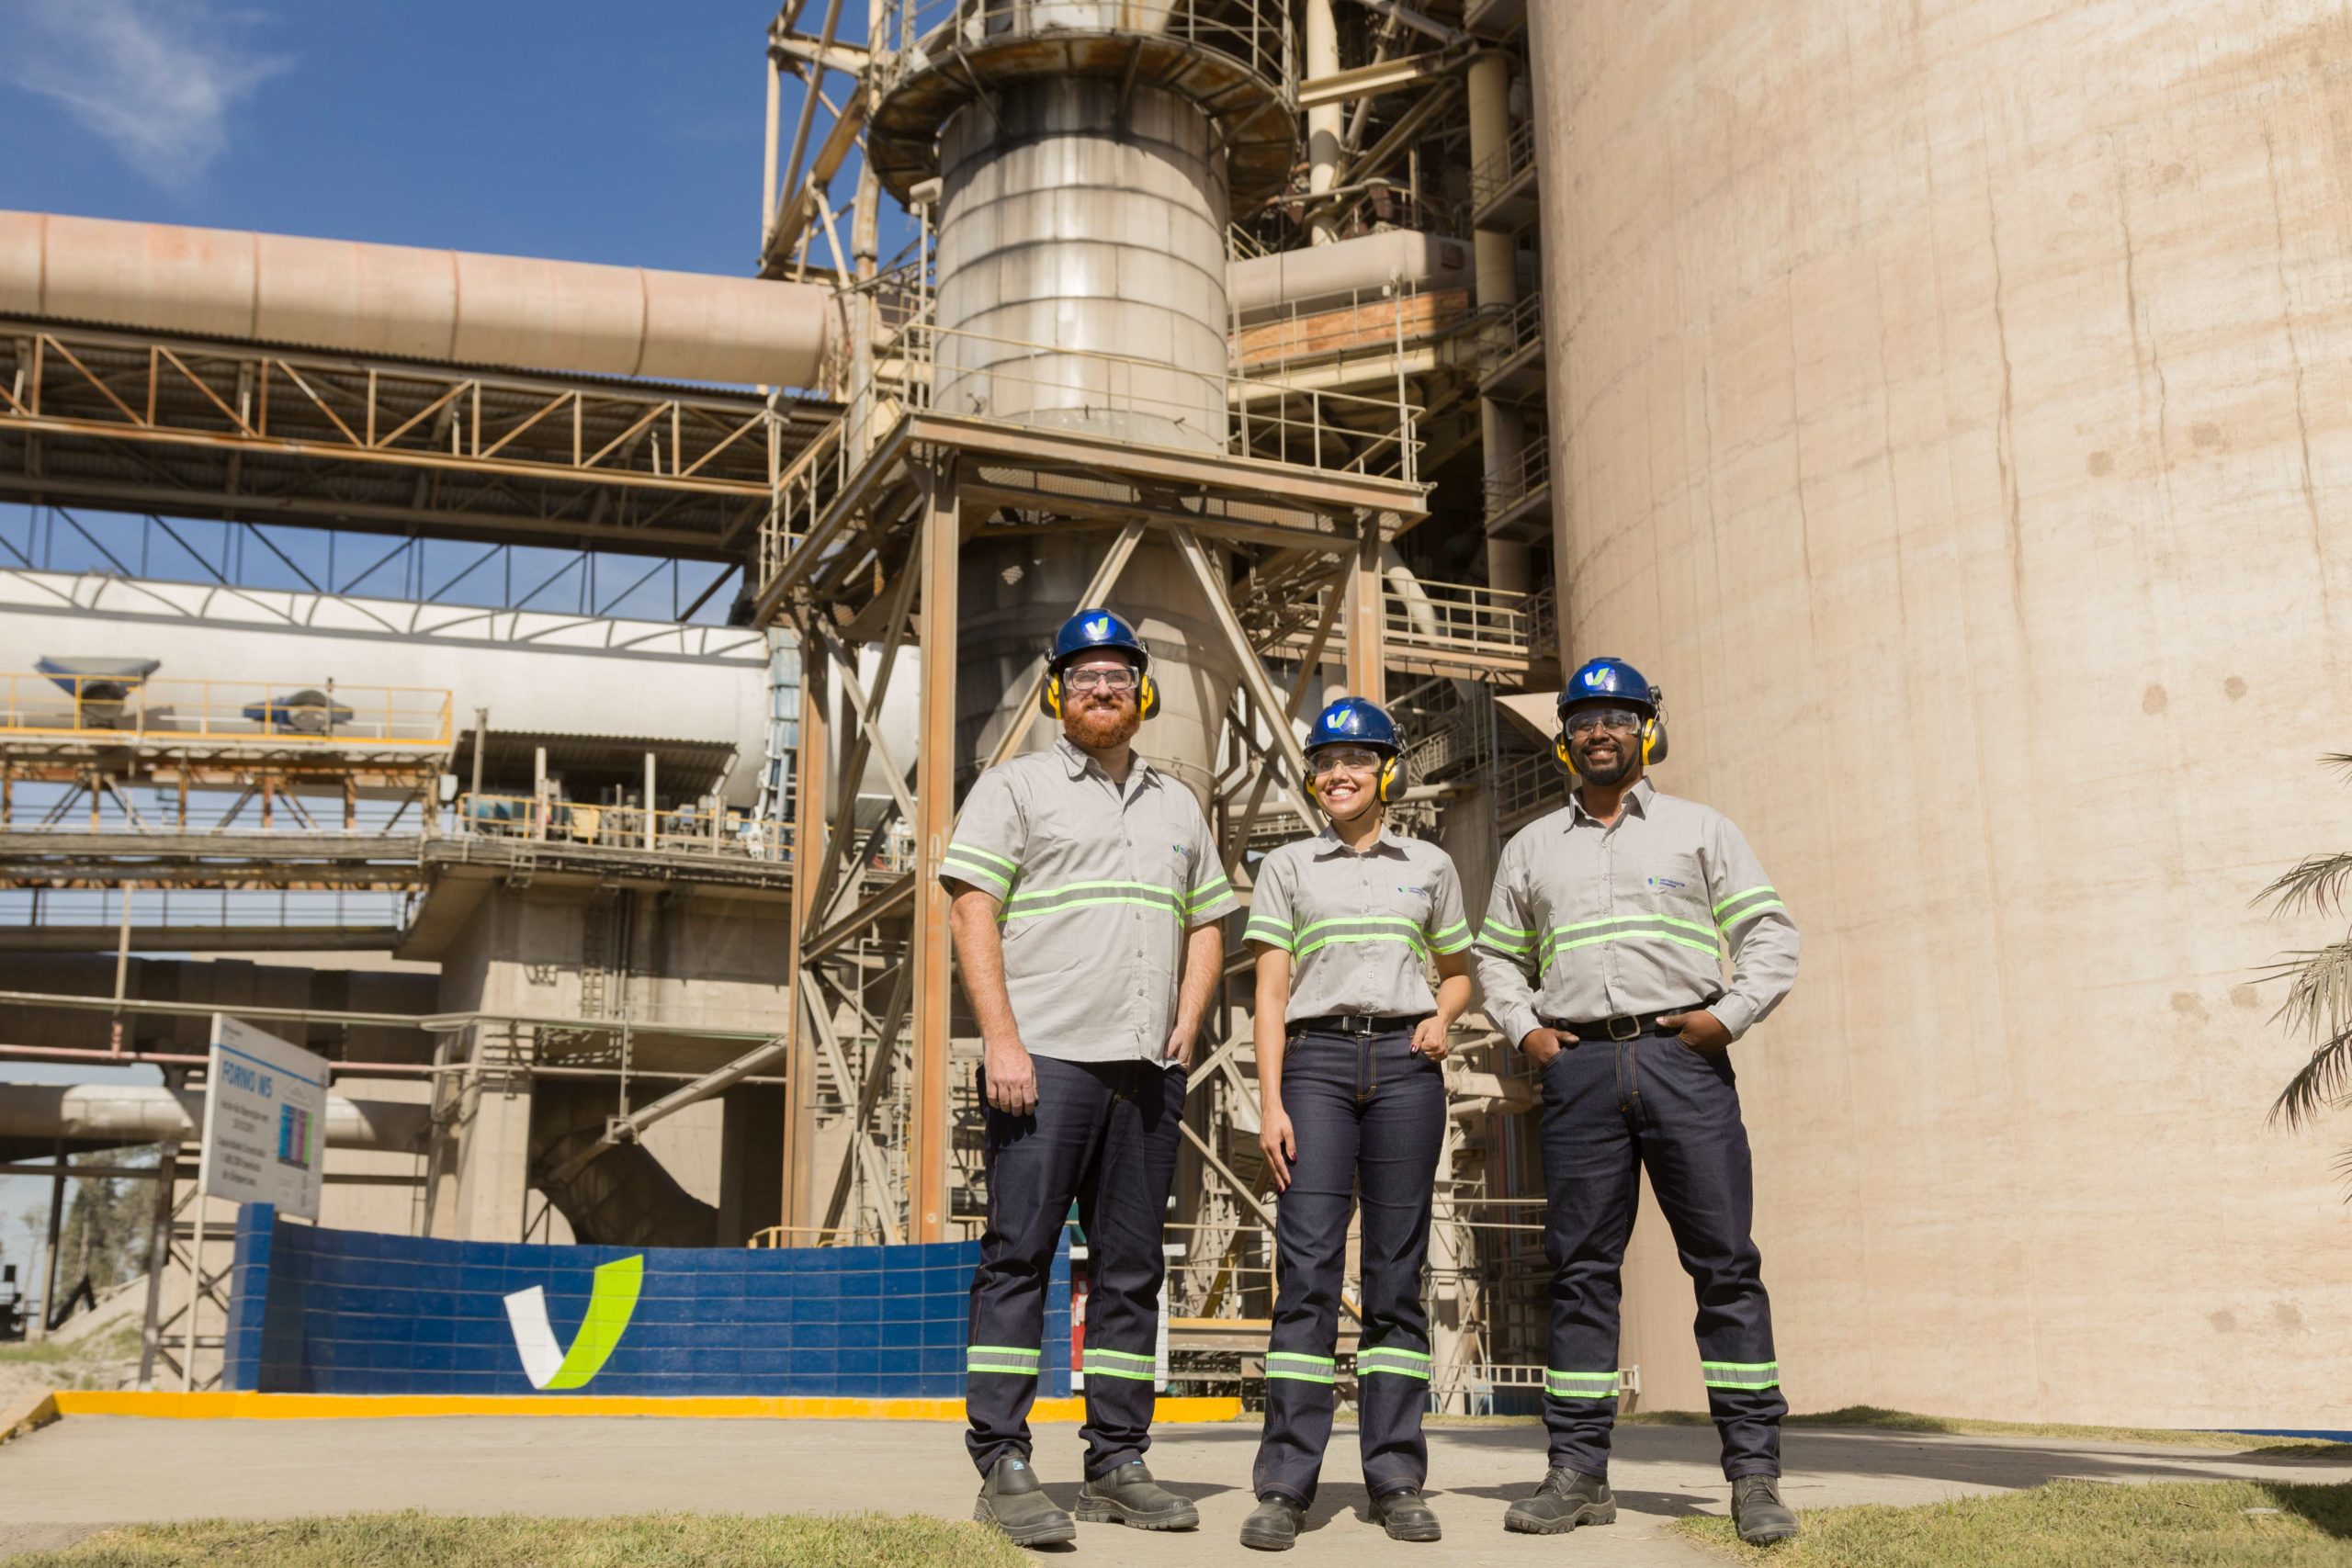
(349, 1406)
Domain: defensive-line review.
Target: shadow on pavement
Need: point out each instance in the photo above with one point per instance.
(1334, 1498)
(1665, 1505)
(1065, 1493)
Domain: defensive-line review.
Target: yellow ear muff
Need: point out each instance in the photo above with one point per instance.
(1050, 696)
(1560, 753)
(1653, 740)
(1146, 696)
(1388, 778)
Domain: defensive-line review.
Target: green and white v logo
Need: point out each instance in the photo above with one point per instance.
(610, 1303)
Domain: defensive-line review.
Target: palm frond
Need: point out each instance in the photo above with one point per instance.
(2318, 1004)
(2340, 761)
(2321, 1086)
(2319, 883)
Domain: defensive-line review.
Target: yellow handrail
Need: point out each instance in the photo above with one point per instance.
(290, 712)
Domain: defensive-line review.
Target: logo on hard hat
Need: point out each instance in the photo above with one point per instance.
(1594, 677)
(1100, 626)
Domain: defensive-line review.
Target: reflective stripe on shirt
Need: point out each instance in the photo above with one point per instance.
(1591, 920)
(1097, 885)
(1361, 929)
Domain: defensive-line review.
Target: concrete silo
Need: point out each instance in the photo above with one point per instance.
(1950, 405)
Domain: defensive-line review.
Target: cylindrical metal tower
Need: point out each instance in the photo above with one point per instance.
(1086, 151)
(1952, 410)
(1081, 263)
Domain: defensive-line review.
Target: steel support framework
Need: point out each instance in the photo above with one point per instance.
(877, 1133)
(153, 422)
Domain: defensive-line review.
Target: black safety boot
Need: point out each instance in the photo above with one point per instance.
(1757, 1510)
(1128, 1496)
(1407, 1516)
(1272, 1525)
(1564, 1500)
(1014, 1501)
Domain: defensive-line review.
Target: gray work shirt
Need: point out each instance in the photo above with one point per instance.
(1097, 886)
(1633, 917)
(1359, 928)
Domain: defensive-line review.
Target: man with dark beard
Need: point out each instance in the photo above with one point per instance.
(1086, 894)
(1602, 956)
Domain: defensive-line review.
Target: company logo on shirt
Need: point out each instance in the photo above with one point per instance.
(1416, 892)
(1183, 852)
(1666, 883)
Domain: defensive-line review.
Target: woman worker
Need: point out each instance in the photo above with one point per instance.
(1349, 1042)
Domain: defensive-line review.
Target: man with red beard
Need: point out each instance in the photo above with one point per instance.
(1086, 895)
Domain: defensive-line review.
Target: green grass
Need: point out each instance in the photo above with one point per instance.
(47, 1353)
(2073, 1524)
(1871, 1417)
(650, 1540)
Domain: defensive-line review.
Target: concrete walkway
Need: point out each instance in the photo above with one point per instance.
(87, 1471)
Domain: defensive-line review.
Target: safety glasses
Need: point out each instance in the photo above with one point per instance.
(1331, 759)
(1590, 719)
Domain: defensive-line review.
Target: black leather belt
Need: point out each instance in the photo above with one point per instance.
(1625, 1025)
(1362, 1022)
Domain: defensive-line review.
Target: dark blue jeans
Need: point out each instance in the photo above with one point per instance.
(1612, 1108)
(1104, 1134)
(1368, 1115)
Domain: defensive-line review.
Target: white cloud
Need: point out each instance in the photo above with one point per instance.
(156, 79)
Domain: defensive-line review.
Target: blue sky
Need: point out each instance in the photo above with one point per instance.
(594, 129)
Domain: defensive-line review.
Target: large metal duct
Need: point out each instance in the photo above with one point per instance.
(453, 306)
(1329, 276)
(1954, 408)
(145, 1114)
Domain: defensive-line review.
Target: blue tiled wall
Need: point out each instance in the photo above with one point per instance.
(353, 1312)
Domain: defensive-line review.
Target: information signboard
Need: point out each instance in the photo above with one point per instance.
(265, 1120)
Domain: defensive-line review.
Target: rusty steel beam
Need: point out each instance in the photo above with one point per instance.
(927, 1163)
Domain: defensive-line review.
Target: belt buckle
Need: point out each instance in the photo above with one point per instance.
(1633, 1027)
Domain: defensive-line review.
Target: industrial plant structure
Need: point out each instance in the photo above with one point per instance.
(1939, 407)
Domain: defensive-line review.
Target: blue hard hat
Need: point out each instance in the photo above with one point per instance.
(1089, 630)
(1610, 679)
(1352, 721)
